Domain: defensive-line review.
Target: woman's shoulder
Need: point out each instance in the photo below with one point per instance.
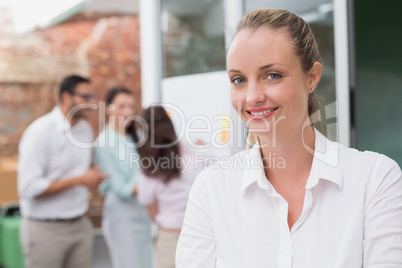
(107, 138)
(233, 168)
(355, 158)
(350, 160)
(227, 177)
(368, 171)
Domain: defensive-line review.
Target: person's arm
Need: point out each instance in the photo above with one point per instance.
(152, 211)
(32, 163)
(146, 194)
(92, 178)
(121, 185)
(196, 246)
(382, 241)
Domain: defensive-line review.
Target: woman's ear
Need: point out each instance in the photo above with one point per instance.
(314, 75)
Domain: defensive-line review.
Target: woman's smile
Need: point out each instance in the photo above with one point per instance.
(261, 113)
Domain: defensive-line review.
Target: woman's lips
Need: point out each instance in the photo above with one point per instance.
(261, 113)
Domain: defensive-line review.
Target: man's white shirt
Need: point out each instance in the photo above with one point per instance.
(51, 149)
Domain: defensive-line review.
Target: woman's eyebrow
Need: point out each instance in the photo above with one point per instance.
(233, 71)
(267, 66)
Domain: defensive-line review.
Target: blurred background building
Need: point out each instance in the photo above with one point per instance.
(97, 39)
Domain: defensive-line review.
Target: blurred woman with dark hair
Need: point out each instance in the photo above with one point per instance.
(126, 224)
(169, 169)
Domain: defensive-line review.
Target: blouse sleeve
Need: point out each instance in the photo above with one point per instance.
(118, 181)
(383, 224)
(146, 190)
(196, 246)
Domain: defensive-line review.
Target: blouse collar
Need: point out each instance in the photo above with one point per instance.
(326, 165)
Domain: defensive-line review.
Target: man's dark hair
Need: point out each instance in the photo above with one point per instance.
(70, 83)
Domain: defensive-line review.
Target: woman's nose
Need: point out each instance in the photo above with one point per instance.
(255, 94)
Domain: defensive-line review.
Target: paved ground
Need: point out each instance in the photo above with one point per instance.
(101, 254)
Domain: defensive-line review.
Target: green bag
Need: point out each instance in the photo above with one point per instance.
(10, 247)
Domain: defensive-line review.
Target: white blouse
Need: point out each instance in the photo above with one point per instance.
(351, 217)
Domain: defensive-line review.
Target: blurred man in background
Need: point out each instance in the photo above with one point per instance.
(54, 172)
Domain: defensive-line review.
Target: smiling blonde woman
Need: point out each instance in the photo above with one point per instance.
(328, 206)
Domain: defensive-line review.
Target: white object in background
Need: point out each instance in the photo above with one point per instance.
(151, 51)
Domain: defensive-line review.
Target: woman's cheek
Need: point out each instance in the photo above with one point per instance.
(237, 99)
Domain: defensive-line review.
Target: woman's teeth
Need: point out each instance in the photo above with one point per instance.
(264, 112)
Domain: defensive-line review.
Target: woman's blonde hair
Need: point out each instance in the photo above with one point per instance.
(300, 34)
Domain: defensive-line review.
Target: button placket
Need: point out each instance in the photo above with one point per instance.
(308, 204)
(285, 247)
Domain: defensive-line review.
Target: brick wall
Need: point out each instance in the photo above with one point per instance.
(20, 103)
(114, 59)
(103, 47)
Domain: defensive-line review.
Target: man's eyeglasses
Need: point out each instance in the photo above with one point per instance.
(87, 97)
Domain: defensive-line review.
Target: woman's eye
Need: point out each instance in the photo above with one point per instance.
(274, 76)
(238, 81)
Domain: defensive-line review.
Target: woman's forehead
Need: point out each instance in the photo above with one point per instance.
(262, 35)
(260, 44)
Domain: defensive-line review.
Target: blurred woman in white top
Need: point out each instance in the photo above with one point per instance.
(169, 168)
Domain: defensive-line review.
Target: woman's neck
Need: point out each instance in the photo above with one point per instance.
(288, 158)
(117, 127)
